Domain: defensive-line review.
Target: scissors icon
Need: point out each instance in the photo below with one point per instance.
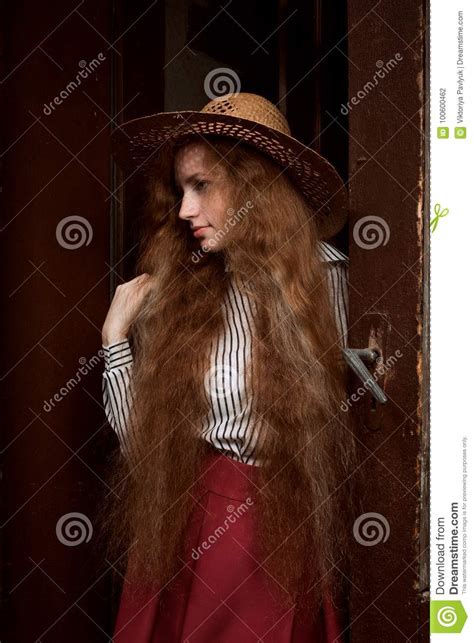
(438, 215)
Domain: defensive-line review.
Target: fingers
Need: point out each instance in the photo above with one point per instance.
(142, 279)
(137, 280)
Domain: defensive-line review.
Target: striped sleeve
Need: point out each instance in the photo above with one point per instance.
(117, 388)
(337, 265)
(337, 279)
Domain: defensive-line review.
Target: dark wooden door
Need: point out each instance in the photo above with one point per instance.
(56, 69)
(388, 311)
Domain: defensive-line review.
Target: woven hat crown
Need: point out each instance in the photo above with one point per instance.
(251, 107)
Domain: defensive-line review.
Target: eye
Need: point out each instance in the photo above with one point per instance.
(199, 186)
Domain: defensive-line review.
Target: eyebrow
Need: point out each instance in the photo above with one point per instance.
(189, 179)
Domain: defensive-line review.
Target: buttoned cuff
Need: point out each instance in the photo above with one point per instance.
(117, 354)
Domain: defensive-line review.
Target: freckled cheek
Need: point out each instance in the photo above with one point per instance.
(207, 210)
(217, 216)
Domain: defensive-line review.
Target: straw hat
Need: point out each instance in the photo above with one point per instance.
(254, 120)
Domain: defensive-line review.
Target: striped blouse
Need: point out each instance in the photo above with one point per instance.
(230, 425)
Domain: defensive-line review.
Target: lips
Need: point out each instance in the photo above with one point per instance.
(199, 230)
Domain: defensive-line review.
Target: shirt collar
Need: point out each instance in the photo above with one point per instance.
(330, 253)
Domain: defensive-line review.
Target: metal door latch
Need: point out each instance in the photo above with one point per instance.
(355, 358)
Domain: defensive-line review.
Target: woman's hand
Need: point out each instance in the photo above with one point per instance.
(124, 308)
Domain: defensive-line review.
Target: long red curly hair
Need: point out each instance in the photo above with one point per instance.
(305, 503)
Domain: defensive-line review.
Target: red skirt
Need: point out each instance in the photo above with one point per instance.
(220, 595)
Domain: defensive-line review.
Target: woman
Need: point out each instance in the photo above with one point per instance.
(229, 503)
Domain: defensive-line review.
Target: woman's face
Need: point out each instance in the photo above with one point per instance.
(205, 191)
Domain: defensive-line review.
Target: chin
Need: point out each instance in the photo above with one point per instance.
(209, 248)
(209, 245)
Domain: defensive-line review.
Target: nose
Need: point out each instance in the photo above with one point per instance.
(189, 209)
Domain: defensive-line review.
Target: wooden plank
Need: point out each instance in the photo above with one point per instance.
(387, 306)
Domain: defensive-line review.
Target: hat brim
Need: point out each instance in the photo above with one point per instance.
(137, 142)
